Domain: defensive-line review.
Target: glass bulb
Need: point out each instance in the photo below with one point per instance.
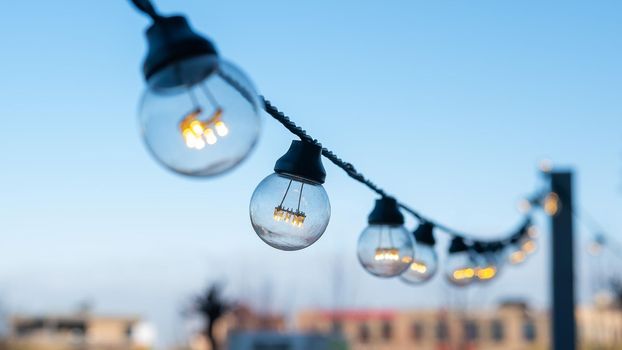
(423, 265)
(551, 204)
(385, 250)
(460, 269)
(200, 116)
(288, 213)
(516, 255)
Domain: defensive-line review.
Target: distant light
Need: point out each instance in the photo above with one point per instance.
(144, 335)
(546, 165)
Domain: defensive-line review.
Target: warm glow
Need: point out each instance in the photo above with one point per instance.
(463, 274)
(529, 247)
(387, 254)
(197, 133)
(517, 257)
(221, 129)
(551, 204)
(294, 217)
(419, 267)
(486, 273)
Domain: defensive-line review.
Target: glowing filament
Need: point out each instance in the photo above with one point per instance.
(387, 254)
(486, 273)
(197, 133)
(419, 267)
(463, 274)
(294, 217)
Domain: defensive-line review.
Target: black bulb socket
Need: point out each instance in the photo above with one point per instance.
(424, 234)
(303, 161)
(170, 40)
(457, 245)
(386, 212)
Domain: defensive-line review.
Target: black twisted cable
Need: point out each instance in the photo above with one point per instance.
(351, 171)
(146, 7)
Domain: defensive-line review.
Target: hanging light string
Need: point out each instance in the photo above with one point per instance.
(352, 172)
(147, 7)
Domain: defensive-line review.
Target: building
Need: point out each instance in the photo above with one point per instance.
(80, 331)
(512, 326)
(266, 340)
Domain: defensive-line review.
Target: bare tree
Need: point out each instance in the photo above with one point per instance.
(210, 305)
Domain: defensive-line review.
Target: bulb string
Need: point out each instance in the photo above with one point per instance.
(352, 172)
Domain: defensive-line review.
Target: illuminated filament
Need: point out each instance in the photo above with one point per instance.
(463, 274)
(294, 217)
(419, 267)
(387, 254)
(486, 273)
(197, 133)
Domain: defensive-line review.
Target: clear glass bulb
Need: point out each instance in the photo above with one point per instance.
(423, 265)
(200, 117)
(460, 269)
(385, 250)
(288, 213)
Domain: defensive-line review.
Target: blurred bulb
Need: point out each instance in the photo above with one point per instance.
(288, 213)
(546, 165)
(222, 126)
(524, 206)
(551, 204)
(532, 231)
(529, 246)
(516, 257)
(459, 269)
(385, 250)
(423, 265)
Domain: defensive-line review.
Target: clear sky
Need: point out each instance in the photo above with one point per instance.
(448, 104)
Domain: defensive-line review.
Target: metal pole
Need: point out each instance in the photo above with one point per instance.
(563, 298)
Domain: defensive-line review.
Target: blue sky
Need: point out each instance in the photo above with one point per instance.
(448, 104)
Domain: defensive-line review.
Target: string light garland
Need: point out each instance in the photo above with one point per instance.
(200, 117)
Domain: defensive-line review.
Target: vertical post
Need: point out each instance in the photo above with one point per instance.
(563, 297)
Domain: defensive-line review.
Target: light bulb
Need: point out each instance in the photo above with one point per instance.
(484, 256)
(551, 204)
(199, 114)
(516, 256)
(290, 209)
(459, 267)
(385, 248)
(425, 260)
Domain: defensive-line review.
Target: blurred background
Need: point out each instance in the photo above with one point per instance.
(449, 105)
